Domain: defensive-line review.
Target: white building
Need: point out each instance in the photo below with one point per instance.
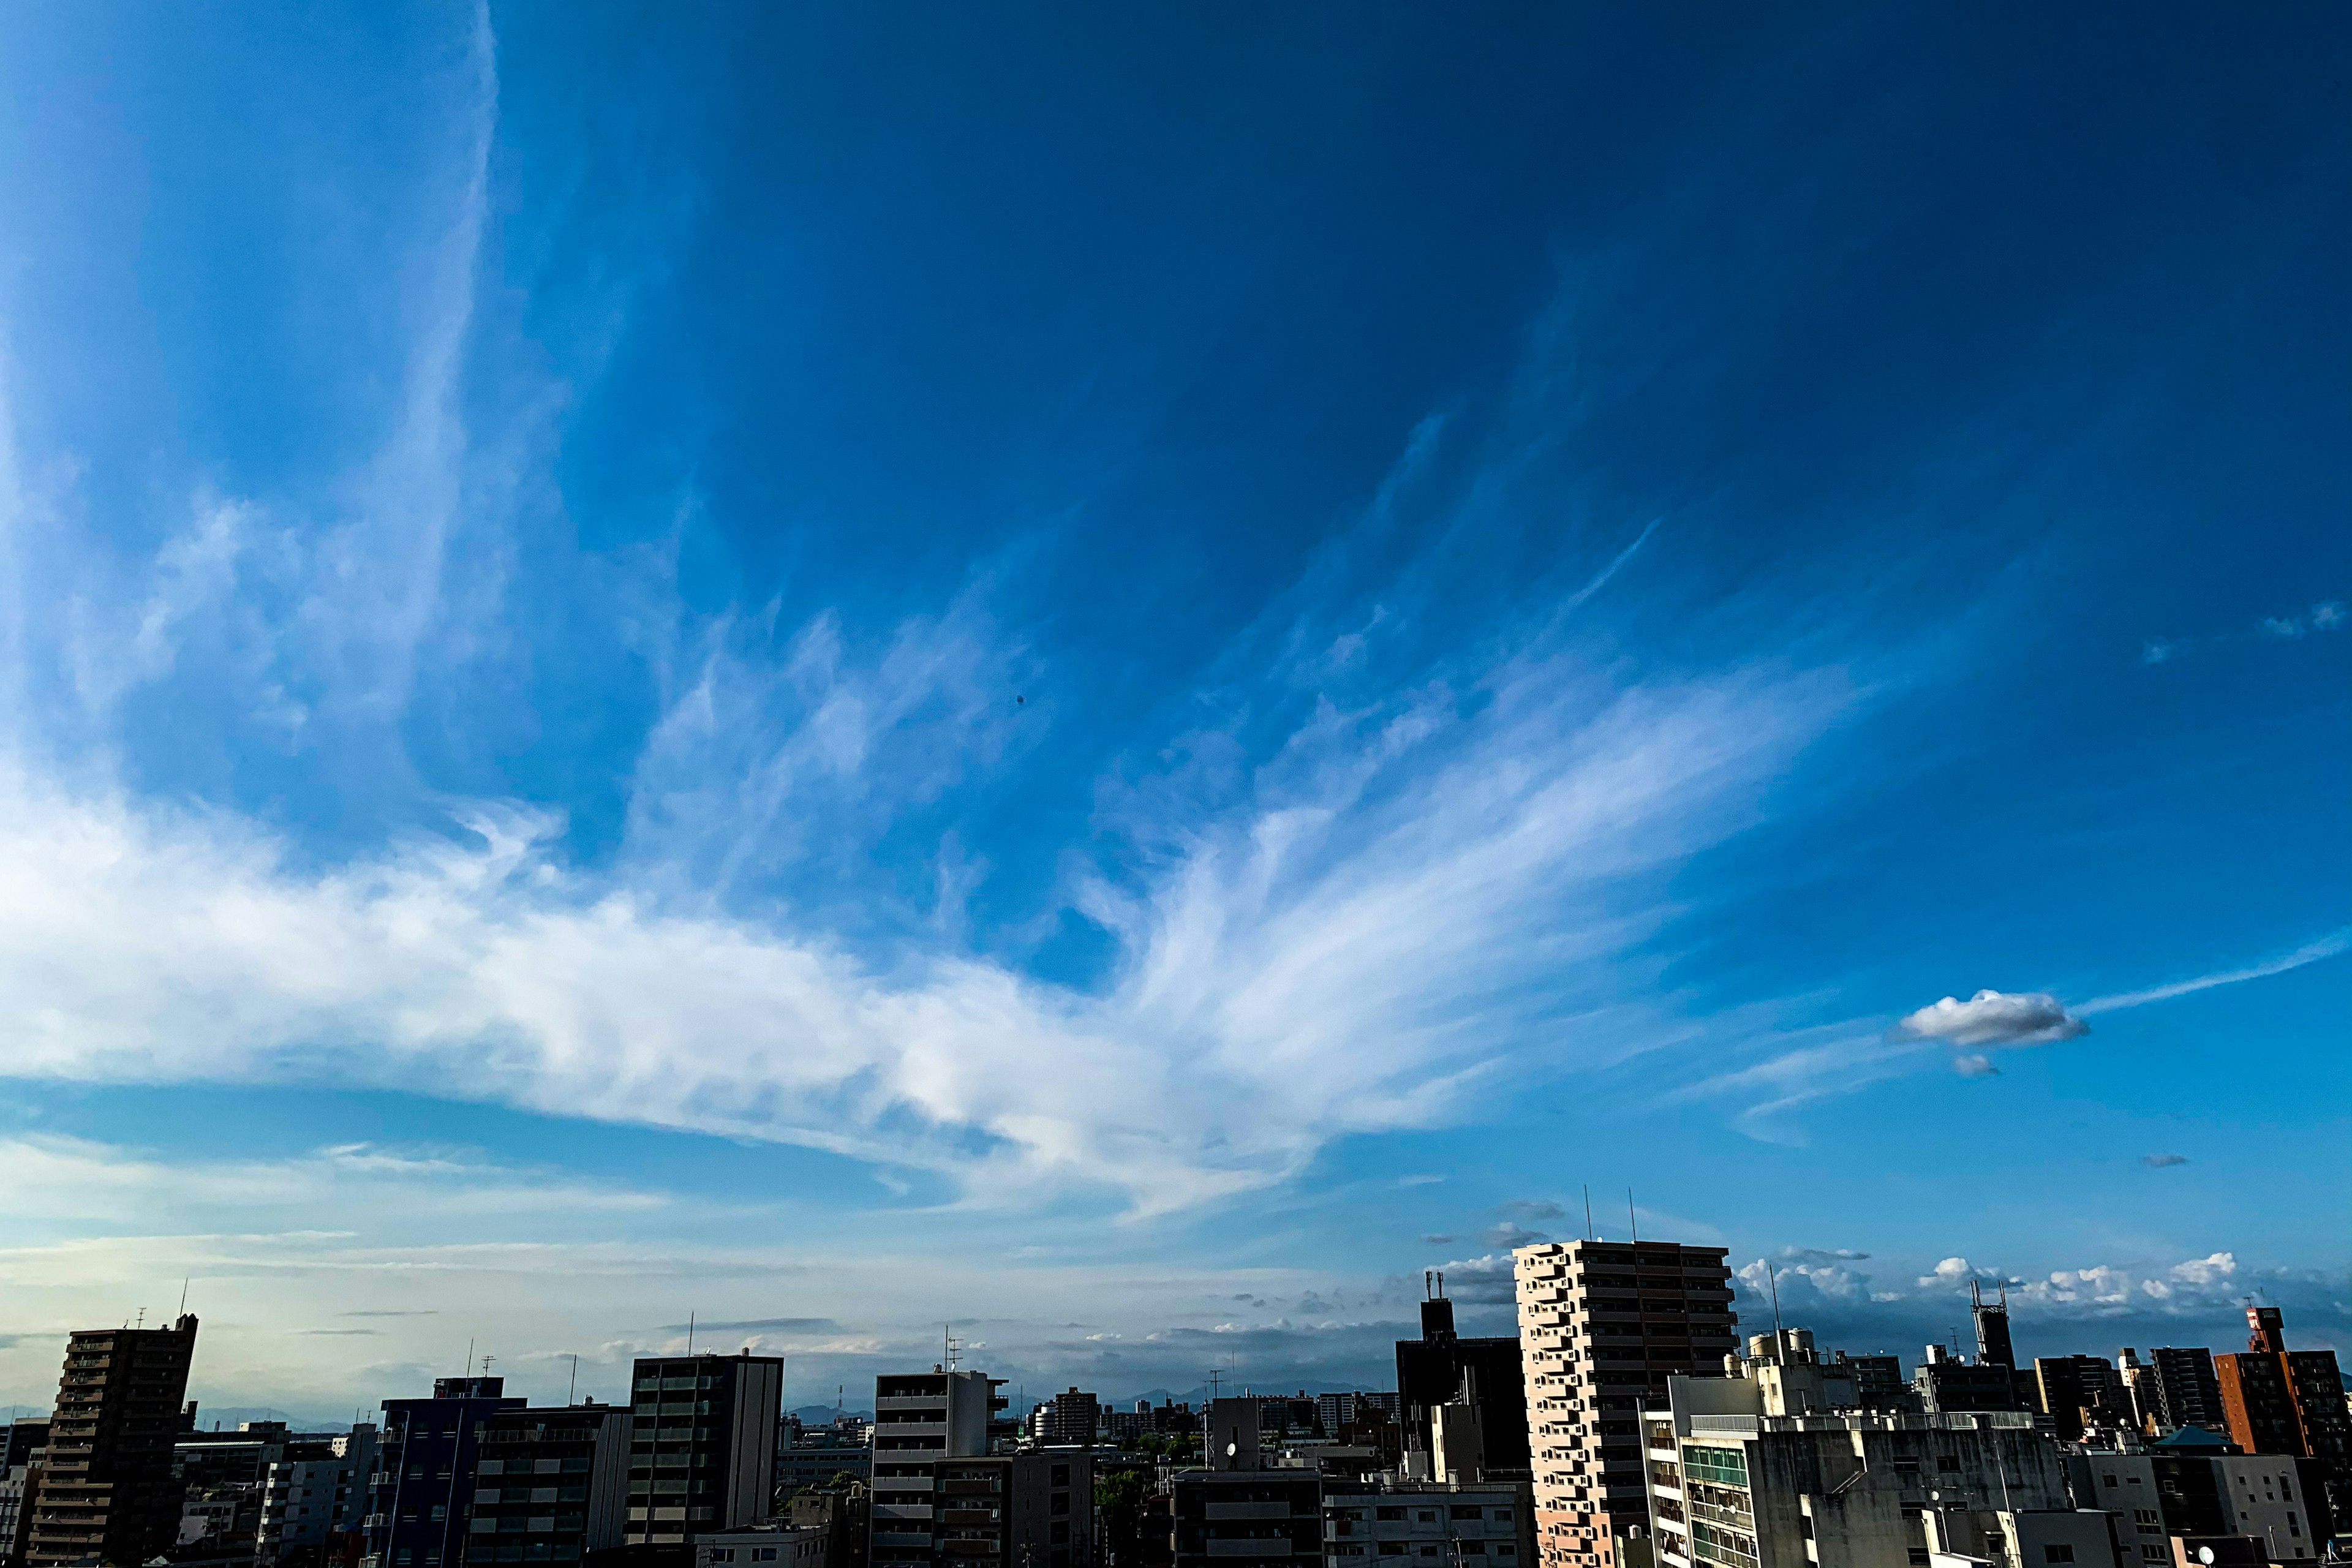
(1761, 1470)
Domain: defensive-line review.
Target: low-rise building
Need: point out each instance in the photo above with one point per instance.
(314, 1490)
(1469, 1526)
(764, 1546)
(2166, 1496)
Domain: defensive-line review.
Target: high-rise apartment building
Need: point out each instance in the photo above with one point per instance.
(702, 1445)
(1070, 1416)
(553, 1485)
(429, 1458)
(1443, 1367)
(920, 1419)
(1604, 1324)
(2186, 1390)
(22, 1445)
(2278, 1401)
(106, 1487)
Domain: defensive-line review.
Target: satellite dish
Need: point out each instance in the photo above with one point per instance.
(2205, 1554)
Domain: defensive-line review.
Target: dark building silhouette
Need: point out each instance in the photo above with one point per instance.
(2066, 1387)
(1441, 1366)
(428, 1461)
(1878, 1381)
(107, 1489)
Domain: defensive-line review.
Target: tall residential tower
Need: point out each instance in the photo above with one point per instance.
(1604, 1324)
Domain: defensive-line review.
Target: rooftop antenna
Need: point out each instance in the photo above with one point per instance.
(1587, 1213)
(184, 1295)
(1634, 1229)
(1425, 1285)
(469, 1356)
(1772, 1278)
(689, 1331)
(571, 1395)
(1440, 1284)
(486, 1359)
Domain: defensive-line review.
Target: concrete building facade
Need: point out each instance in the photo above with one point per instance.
(702, 1445)
(1745, 1474)
(1604, 1326)
(551, 1485)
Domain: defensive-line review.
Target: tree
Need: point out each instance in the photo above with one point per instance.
(1118, 1513)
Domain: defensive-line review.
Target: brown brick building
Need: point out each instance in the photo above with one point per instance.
(106, 1488)
(2278, 1401)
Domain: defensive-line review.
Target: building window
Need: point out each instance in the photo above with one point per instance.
(1919, 1557)
(2057, 1552)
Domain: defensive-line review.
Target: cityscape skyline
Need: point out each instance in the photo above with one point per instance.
(1124, 678)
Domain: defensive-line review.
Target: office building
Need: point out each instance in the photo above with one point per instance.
(106, 1487)
(1605, 1324)
(1238, 1510)
(1947, 1384)
(1071, 1417)
(2278, 1401)
(1878, 1381)
(1479, 1526)
(817, 1456)
(428, 1458)
(552, 1485)
(1441, 1366)
(702, 1445)
(313, 1490)
(1764, 1469)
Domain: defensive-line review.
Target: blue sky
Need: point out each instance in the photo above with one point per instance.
(1123, 678)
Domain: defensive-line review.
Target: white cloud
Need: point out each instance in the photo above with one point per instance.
(1993, 1018)
(1340, 953)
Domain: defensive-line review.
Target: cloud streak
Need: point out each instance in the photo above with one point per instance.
(1287, 978)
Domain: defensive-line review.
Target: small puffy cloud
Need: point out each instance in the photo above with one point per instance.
(1952, 1271)
(2213, 1269)
(1993, 1018)
(1974, 1063)
(2163, 1161)
(1531, 1208)
(2160, 651)
(2328, 617)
